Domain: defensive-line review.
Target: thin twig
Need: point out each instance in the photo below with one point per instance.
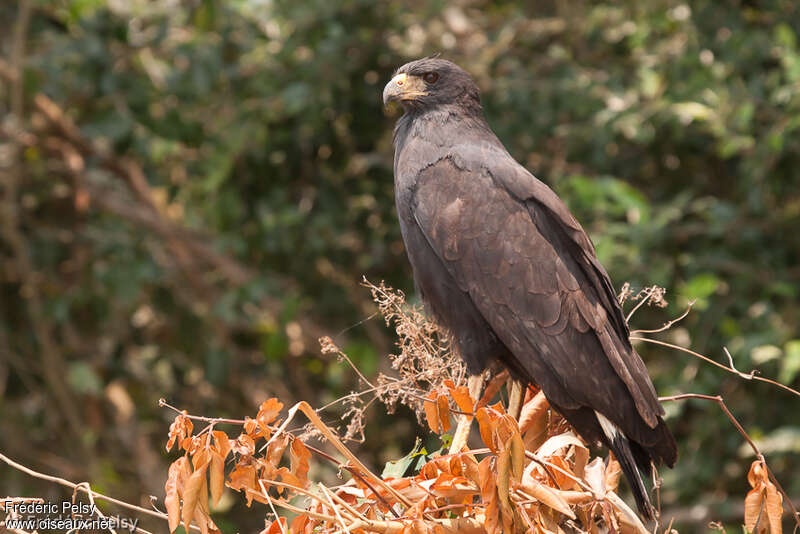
(272, 507)
(67, 483)
(162, 403)
(335, 509)
(746, 376)
(669, 323)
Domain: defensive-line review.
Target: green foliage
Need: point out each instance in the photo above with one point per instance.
(670, 129)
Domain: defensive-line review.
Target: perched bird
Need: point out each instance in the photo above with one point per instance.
(500, 262)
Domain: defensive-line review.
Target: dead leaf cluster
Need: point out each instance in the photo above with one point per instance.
(532, 475)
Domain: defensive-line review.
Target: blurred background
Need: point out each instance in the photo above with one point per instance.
(192, 191)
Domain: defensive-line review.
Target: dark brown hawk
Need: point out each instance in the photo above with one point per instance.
(501, 262)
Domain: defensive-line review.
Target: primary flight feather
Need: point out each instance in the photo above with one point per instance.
(501, 262)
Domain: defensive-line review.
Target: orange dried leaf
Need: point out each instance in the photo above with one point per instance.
(251, 427)
(244, 445)
(276, 527)
(243, 477)
(287, 477)
(298, 524)
(276, 449)
(222, 443)
(486, 427)
(200, 520)
(191, 494)
(464, 402)
(550, 497)
(486, 479)
(216, 475)
(470, 466)
(299, 456)
(432, 412)
(444, 412)
(269, 410)
(534, 413)
(774, 508)
(580, 461)
(172, 488)
(498, 408)
(563, 472)
(420, 527)
(517, 456)
(613, 472)
(763, 506)
(180, 428)
(503, 486)
(492, 388)
(201, 456)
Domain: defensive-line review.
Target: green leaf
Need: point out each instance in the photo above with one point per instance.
(399, 468)
(699, 288)
(790, 365)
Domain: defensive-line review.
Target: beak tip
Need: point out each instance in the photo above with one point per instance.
(388, 95)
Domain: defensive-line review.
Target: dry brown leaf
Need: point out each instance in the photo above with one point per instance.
(504, 486)
(222, 443)
(580, 460)
(276, 527)
(492, 388)
(774, 508)
(299, 456)
(173, 487)
(517, 456)
(269, 410)
(763, 506)
(444, 412)
(505, 428)
(595, 476)
(251, 427)
(548, 496)
(180, 428)
(432, 412)
(626, 516)
(562, 474)
(276, 449)
(613, 472)
(557, 442)
(192, 493)
(216, 475)
(486, 428)
(288, 478)
(464, 402)
(200, 520)
(298, 524)
(222, 446)
(243, 477)
(533, 412)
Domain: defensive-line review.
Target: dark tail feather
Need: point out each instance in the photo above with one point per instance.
(622, 450)
(634, 458)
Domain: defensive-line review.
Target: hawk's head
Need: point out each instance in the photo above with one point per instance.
(430, 82)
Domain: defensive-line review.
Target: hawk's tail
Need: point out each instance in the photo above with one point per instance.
(630, 461)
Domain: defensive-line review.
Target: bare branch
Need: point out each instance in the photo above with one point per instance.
(84, 487)
(746, 376)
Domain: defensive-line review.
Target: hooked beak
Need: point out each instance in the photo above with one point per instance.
(403, 88)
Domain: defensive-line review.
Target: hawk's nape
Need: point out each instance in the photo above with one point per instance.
(501, 262)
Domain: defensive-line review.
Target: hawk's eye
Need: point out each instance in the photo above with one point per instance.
(430, 77)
